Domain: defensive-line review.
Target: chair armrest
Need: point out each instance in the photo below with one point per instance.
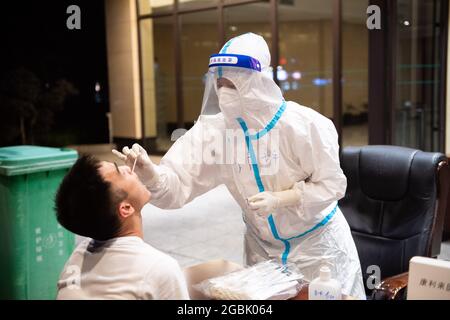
(390, 287)
(440, 224)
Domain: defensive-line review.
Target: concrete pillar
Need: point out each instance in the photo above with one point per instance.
(123, 69)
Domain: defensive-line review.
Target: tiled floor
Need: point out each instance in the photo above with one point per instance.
(210, 227)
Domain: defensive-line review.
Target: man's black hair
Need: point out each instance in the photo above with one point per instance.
(86, 204)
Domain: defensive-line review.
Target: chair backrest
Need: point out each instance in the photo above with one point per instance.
(391, 205)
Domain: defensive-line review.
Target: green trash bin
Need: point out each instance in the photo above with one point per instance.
(33, 246)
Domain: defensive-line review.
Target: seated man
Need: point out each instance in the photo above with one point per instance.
(102, 201)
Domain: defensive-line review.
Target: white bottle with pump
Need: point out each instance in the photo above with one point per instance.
(324, 287)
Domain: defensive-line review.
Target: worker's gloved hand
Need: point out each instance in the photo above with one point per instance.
(264, 203)
(267, 202)
(137, 158)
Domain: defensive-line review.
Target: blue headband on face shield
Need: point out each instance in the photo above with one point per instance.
(234, 60)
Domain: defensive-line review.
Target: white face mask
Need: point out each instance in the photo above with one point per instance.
(229, 102)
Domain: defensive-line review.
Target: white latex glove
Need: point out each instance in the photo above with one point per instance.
(138, 158)
(267, 202)
(264, 203)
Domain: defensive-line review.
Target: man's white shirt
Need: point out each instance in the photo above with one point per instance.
(121, 268)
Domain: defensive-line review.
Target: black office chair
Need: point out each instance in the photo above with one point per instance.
(395, 205)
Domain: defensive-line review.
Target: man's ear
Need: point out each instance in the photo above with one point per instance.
(126, 209)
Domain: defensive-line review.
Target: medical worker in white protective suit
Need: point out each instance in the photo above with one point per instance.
(290, 208)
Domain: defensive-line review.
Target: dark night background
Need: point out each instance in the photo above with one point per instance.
(34, 37)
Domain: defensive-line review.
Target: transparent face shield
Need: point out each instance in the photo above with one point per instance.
(221, 68)
(210, 104)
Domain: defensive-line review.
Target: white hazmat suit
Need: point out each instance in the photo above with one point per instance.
(285, 148)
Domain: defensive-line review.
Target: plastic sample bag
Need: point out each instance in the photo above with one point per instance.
(268, 280)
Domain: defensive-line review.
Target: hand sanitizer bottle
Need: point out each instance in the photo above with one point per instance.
(323, 287)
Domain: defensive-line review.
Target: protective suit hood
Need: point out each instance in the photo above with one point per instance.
(257, 97)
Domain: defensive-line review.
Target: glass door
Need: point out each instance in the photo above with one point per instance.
(418, 60)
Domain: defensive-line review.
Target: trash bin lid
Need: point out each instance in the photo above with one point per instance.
(28, 159)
